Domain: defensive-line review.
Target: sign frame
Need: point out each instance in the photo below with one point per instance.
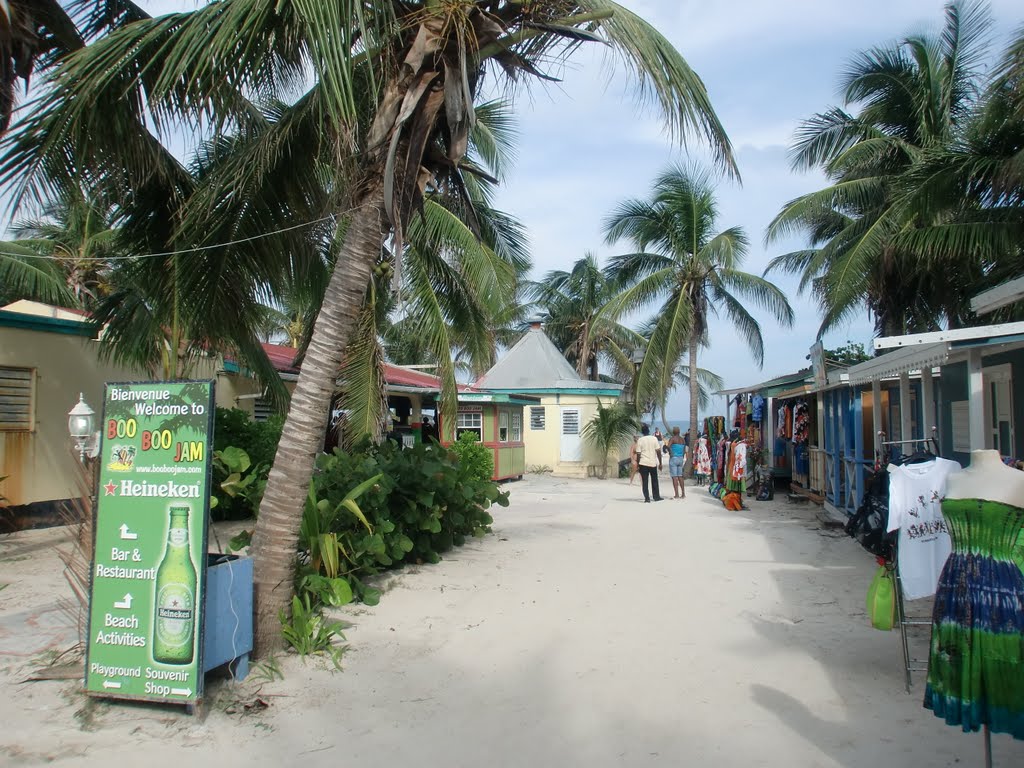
(154, 495)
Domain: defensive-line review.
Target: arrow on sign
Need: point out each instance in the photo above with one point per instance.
(111, 684)
(181, 691)
(125, 603)
(126, 534)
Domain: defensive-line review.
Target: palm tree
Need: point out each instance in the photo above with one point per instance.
(573, 302)
(693, 271)
(78, 235)
(611, 429)
(391, 103)
(873, 231)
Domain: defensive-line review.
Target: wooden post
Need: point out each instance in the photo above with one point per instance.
(858, 452)
(876, 413)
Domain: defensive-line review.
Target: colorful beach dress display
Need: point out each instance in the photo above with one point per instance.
(976, 659)
(702, 459)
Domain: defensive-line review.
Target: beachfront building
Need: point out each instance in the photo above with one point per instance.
(565, 402)
(496, 419)
(971, 391)
(49, 355)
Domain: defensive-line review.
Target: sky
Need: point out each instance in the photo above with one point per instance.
(584, 145)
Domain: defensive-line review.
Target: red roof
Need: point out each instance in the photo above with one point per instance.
(282, 357)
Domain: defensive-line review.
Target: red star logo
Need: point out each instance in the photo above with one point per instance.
(110, 488)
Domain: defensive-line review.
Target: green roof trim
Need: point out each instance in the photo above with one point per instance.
(609, 392)
(48, 324)
(501, 398)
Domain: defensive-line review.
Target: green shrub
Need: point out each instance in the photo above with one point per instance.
(234, 430)
(424, 502)
(476, 459)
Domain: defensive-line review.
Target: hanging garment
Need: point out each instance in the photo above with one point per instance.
(723, 456)
(757, 408)
(915, 492)
(737, 477)
(801, 422)
(976, 658)
(702, 458)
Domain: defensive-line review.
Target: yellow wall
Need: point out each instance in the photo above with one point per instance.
(543, 448)
(41, 465)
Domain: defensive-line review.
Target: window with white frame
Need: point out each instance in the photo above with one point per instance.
(470, 422)
(517, 427)
(17, 406)
(502, 426)
(537, 417)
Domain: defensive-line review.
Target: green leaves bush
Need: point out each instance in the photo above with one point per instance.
(235, 436)
(476, 459)
(415, 503)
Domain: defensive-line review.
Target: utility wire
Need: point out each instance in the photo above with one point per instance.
(50, 257)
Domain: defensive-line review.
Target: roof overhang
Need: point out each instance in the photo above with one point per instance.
(771, 387)
(955, 334)
(935, 354)
(1003, 295)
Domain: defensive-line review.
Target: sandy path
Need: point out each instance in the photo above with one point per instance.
(590, 630)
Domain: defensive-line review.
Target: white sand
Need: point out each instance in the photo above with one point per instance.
(590, 630)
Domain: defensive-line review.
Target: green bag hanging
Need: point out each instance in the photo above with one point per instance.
(881, 602)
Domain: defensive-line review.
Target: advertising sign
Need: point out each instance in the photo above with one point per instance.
(149, 561)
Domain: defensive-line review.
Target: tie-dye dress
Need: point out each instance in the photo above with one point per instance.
(976, 660)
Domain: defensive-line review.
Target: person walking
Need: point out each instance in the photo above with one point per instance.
(648, 456)
(633, 466)
(677, 450)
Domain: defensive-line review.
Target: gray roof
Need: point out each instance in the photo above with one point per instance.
(535, 364)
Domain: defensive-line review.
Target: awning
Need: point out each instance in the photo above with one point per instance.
(899, 361)
(908, 359)
(768, 388)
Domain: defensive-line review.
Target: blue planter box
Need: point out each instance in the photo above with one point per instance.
(227, 632)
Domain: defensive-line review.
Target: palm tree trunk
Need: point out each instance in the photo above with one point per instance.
(694, 397)
(277, 529)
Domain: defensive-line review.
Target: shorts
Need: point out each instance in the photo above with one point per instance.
(675, 466)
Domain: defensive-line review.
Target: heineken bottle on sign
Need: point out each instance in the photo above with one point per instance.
(174, 615)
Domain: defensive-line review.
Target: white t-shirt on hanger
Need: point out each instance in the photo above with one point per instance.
(915, 495)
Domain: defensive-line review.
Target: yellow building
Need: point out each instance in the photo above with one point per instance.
(553, 429)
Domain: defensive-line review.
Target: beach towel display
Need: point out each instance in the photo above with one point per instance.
(976, 654)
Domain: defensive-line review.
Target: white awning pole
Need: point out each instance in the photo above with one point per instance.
(905, 412)
(976, 399)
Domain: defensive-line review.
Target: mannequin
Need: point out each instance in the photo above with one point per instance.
(976, 657)
(987, 478)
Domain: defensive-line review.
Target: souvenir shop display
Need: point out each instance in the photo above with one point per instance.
(702, 460)
(916, 487)
(714, 429)
(736, 474)
(976, 655)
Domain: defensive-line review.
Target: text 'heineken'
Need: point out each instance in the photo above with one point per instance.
(175, 595)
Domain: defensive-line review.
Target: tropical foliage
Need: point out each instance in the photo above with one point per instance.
(573, 303)
(610, 430)
(924, 208)
(358, 109)
(689, 271)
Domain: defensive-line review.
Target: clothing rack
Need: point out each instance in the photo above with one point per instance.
(910, 664)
